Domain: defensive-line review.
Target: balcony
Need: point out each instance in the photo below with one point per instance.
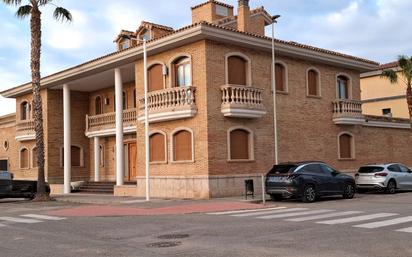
(105, 124)
(25, 130)
(242, 102)
(169, 104)
(347, 112)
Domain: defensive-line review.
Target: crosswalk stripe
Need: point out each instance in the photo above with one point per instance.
(2, 225)
(357, 218)
(324, 216)
(20, 220)
(294, 214)
(385, 223)
(407, 230)
(42, 217)
(269, 212)
(245, 211)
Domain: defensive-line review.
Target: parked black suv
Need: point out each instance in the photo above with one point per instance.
(308, 181)
(10, 188)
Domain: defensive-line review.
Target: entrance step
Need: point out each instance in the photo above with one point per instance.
(98, 187)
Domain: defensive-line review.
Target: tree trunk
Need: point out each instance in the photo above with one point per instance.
(409, 101)
(35, 26)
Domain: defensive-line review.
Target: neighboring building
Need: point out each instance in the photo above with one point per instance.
(210, 110)
(382, 98)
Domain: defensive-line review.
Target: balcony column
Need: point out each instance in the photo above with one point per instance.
(67, 139)
(119, 127)
(97, 159)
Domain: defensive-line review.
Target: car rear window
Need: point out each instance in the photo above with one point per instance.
(283, 169)
(370, 169)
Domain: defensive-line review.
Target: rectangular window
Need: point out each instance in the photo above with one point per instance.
(387, 112)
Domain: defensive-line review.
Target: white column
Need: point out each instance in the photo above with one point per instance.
(119, 127)
(96, 159)
(67, 139)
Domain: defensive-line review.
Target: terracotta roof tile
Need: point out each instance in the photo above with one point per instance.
(389, 65)
(212, 1)
(156, 25)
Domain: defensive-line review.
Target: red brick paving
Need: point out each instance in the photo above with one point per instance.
(101, 211)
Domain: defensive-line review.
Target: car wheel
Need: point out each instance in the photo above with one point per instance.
(309, 194)
(276, 197)
(391, 187)
(348, 191)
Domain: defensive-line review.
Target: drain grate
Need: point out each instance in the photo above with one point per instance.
(164, 244)
(173, 236)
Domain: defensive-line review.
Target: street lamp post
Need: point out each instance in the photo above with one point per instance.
(274, 21)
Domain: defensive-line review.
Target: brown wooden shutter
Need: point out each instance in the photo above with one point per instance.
(35, 157)
(76, 156)
(24, 158)
(239, 145)
(183, 146)
(155, 77)
(280, 77)
(157, 148)
(98, 105)
(236, 70)
(312, 82)
(345, 143)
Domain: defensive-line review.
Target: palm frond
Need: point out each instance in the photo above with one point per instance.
(24, 11)
(403, 61)
(62, 14)
(391, 75)
(43, 2)
(12, 2)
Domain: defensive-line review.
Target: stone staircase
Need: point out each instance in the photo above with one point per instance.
(97, 188)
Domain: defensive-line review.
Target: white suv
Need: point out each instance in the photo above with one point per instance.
(390, 177)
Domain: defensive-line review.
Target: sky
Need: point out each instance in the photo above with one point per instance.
(378, 30)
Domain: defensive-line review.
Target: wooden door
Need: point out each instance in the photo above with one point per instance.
(132, 152)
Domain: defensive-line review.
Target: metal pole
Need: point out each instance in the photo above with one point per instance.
(146, 125)
(263, 190)
(274, 93)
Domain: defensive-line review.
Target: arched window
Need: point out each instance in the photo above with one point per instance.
(24, 158)
(346, 146)
(182, 146)
(237, 70)
(124, 100)
(157, 148)
(34, 157)
(182, 72)
(343, 87)
(313, 82)
(155, 77)
(24, 110)
(98, 105)
(240, 144)
(280, 73)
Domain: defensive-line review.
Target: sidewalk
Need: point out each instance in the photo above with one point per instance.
(107, 205)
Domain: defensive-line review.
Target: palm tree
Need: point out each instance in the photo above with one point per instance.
(405, 75)
(32, 9)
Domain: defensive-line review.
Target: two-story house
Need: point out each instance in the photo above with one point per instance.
(211, 110)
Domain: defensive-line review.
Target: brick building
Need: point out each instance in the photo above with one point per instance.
(211, 110)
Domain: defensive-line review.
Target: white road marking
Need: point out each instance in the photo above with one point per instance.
(406, 230)
(134, 201)
(323, 216)
(358, 218)
(42, 217)
(294, 214)
(385, 223)
(245, 211)
(269, 212)
(2, 225)
(20, 220)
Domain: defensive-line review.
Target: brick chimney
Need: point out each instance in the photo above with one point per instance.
(243, 16)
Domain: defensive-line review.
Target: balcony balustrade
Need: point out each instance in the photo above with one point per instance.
(105, 124)
(169, 104)
(347, 112)
(242, 101)
(25, 130)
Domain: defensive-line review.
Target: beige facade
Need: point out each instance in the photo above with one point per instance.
(212, 111)
(381, 97)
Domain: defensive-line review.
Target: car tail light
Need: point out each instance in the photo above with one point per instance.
(381, 174)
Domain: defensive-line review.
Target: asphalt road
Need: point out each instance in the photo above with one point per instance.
(365, 226)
